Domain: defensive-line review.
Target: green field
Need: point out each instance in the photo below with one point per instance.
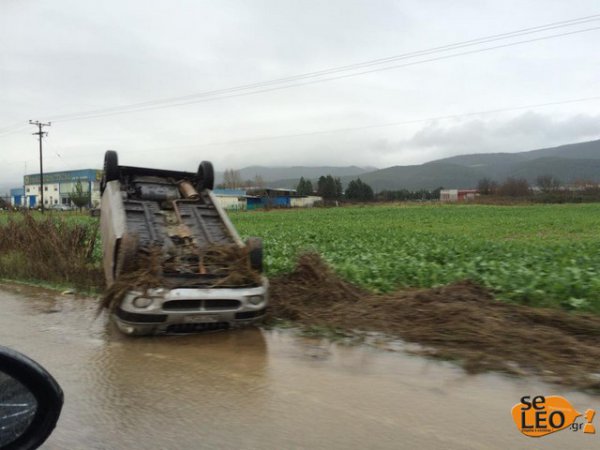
(545, 255)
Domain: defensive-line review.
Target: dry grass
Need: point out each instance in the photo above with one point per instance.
(50, 249)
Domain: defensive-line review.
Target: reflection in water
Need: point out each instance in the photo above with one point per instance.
(17, 409)
(256, 389)
(178, 376)
(162, 388)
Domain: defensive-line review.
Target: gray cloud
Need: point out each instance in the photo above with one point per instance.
(67, 56)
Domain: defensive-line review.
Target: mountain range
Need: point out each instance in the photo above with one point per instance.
(568, 163)
(580, 161)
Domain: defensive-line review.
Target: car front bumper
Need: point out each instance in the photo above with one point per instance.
(190, 310)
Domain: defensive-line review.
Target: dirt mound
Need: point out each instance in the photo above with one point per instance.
(461, 321)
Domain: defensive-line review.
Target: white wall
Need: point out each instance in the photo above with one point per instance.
(231, 203)
(449, 195)
(304, 202)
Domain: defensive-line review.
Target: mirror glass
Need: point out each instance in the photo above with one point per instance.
(17, 409)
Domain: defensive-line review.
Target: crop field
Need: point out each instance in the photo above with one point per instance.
(540, 255)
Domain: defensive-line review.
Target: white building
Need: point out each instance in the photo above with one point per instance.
(304, 202)
(58, 187)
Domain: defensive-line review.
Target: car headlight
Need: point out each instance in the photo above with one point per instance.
(255, 299)
(142, 302)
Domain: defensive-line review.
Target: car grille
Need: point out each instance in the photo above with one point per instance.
(196, 327)
(201, 305)
(250, 314)
(141, 318)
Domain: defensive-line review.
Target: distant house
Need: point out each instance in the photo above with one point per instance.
(457, 195)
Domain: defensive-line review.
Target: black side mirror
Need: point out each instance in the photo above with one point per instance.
(30, 402)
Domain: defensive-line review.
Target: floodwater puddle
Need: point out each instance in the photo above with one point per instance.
(258, 389)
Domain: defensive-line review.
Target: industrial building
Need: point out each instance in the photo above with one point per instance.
(241, 199)
(58, 187)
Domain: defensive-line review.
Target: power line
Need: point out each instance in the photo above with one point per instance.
(276, 88)
(278, 84)
(12, 129)
(485, 39)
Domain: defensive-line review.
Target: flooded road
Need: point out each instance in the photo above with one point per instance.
(257, 389)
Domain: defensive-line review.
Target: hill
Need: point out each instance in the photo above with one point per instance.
(566, 162)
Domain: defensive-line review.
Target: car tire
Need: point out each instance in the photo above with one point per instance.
(255, 253)
(205, 176)
(111, 169)
(126, 259)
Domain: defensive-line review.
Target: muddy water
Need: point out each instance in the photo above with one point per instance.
(257, 389)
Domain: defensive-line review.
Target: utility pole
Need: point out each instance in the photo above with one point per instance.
(41, 134)
(24, 198)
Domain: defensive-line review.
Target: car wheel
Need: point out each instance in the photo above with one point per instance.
(205, 176)
(255, 253)
(111, 169)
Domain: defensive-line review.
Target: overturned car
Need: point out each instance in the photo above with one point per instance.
(173, 261)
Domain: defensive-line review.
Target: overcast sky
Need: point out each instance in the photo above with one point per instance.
(68, 56)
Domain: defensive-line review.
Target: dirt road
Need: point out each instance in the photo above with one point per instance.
(258, 389)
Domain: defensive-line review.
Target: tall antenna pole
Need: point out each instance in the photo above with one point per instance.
(41, 134)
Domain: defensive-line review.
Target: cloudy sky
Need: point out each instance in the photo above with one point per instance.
(62, 59)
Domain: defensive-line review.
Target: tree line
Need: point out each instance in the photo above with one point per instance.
(232, 179)
(547, 188)
(330, 189)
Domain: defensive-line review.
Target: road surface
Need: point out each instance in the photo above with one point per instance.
(258, 389)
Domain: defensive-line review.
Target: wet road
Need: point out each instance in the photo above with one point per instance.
(256, 389)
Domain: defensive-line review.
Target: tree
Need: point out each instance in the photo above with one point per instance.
(485, 186)
(359, 191)
(514, 187)
(339, 190)
(435, 194)
(304, 187)
(547, 183)
(232, 179)
(78, 196)
(329, 188)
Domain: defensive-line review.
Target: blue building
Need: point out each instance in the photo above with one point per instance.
(269, 198)
(58, 187)
(16, 196)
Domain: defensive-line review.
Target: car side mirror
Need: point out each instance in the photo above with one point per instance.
(30, 402)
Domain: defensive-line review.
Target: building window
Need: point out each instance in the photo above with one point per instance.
(56, 188)
(27, 189)
(45, 188)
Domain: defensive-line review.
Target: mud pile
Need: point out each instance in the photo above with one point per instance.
(461, 321)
